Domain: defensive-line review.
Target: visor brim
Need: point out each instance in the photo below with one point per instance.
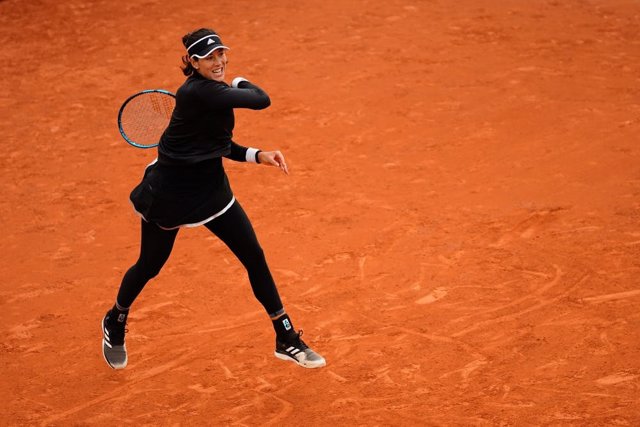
(202, 55)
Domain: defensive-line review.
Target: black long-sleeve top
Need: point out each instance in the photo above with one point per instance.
(202, 122)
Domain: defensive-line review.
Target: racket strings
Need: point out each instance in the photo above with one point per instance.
(145, 117)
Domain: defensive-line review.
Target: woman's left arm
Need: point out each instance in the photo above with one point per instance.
(253, 155)
(239, 153)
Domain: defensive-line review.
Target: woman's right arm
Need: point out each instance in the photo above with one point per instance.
(241, 94)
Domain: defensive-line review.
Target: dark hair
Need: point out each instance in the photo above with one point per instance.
(187, 40)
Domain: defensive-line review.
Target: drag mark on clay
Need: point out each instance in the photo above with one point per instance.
(527, 228)
(356, 403)
(201, 389)
(522, 299)
(417, 285)
(337, 377)
(552, 365)
(616, 379)
(236, 323)
(466, 370)
(381, 374)
(290, 274)
(435, 338)
(32, 294)
(311, 290)
(611, 297)
(510, 316)
(145, 312)
(227, 372)
(287, 408)
(434, 296)
(119, 393)
(264, 385)
(361, 262)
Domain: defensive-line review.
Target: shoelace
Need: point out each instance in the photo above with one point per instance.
(300, 344)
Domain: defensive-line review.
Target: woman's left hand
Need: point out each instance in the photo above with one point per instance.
(273, 158)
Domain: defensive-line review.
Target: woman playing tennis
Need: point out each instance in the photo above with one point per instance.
(186, 186)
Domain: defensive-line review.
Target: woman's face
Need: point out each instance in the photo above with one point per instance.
(212, 66)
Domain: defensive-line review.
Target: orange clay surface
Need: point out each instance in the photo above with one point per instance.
(459, 235)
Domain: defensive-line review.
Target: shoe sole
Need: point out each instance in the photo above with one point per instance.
(308, 366)
(104, 355)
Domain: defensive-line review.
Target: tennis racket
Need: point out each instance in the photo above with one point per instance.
(144, 116)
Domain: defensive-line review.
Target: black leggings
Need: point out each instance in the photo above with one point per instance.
(233, 228)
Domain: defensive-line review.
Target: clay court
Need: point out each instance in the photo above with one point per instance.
(459, 235)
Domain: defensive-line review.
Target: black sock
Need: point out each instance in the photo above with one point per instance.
(283, 327)
(119, 314)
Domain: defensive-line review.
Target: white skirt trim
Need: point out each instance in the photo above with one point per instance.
(195, 224)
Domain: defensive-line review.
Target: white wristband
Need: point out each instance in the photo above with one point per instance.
(251, 155)
(235, 82)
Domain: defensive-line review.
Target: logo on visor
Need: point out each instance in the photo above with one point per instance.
(211, 41)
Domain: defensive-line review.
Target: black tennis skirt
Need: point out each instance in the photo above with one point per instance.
(173, 196)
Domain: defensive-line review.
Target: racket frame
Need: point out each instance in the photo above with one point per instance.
(124, 104)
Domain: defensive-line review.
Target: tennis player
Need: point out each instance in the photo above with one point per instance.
(186, 186)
